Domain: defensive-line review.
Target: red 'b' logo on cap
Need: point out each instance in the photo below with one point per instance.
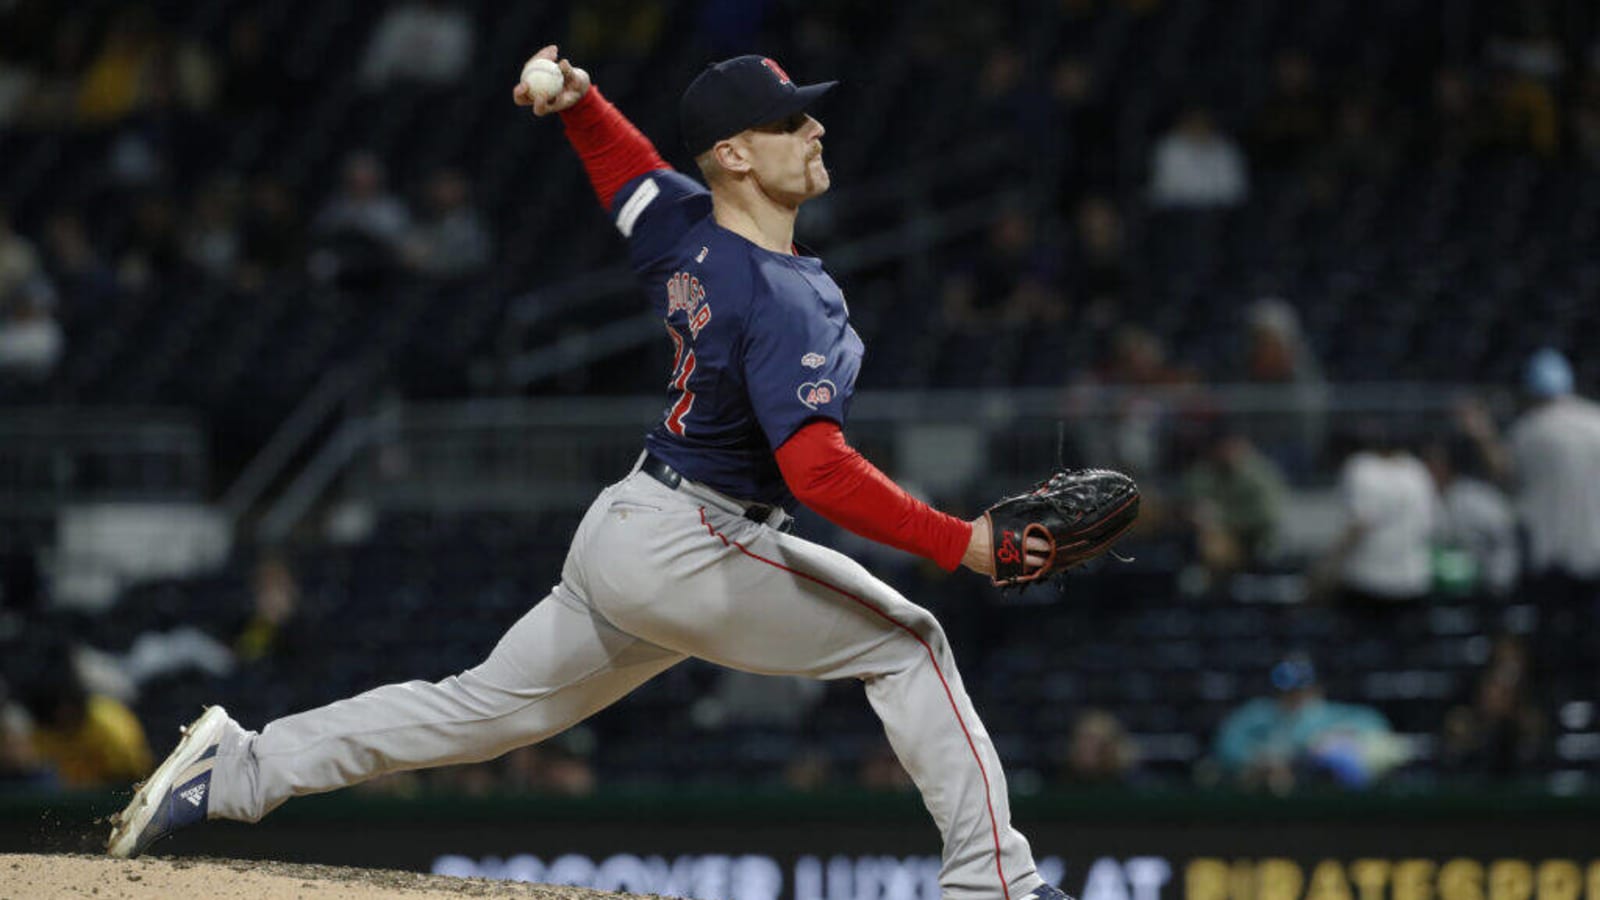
(783, 77)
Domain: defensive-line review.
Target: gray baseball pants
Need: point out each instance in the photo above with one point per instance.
(655, 575)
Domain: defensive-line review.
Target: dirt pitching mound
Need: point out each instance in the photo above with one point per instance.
(33, 875)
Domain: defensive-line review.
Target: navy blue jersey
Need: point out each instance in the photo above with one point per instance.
(761, 341)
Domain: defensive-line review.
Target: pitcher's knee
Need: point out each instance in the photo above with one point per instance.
(927, 631)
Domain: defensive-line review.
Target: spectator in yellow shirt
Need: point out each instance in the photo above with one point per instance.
(91, 740)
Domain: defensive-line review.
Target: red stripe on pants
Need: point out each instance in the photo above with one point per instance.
(994, 827)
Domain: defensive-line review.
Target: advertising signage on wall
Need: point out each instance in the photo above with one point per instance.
(1130, 848)
(714, 876)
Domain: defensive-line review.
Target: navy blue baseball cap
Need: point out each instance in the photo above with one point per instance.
(740, 93)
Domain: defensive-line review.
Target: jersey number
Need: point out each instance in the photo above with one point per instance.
(682, 368)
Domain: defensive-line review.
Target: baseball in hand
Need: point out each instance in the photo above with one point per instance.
(543, 78)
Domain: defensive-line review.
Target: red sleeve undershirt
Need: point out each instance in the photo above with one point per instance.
(613, 151)
(824, 472)
(832, 478)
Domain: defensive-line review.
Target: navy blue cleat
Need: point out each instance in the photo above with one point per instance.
(1047, 892)
(177, 795)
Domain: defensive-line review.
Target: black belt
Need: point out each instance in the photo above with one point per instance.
(667, 475)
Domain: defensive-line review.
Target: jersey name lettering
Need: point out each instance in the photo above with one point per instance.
(685, 293)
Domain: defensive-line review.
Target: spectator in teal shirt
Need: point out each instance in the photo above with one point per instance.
(1298, 736)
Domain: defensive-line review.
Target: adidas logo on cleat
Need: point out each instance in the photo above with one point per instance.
(194, 794)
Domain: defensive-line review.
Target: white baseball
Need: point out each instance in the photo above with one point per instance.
(543, 78)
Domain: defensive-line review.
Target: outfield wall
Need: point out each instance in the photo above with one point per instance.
(881, 847)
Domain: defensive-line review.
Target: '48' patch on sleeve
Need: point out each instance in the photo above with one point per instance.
(816, 393)
(800, 357)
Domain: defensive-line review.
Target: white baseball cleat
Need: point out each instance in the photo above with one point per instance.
(177, 795)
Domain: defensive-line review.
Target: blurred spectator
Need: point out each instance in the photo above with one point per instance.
(87, 282)
(1297, 736)
(186, 69)
(560, 765)
(91, 740)
(1294, 122)
(742, 699)
(1138, 358)
(1528, 63)
(211, 239)
(609, 29)
(1525, 43)
(22, 589)
(254, 77)
(1526, 117)
(20, 271)
(1585, 119)
(22, 25)
(1235, 498)
(1499, 732)
(1097, 265)
(20, 765)
(114, 85)
(361, 230)
(16, 84)
(270, 232)
(998, 83)
(1197, 166)
(1010, 280)
(144, 153)
(153, 251)
(1477, 518)
(1278, 352)
(1455, 128)
(880, 770)
(808, 769)
(273, 624)
(1010, 102)
(49, 96)
(1087, 120)
(452, 239)
(1135, 437)
(1553, 460)
(420, 41)
(1384, 555)
(364, 204)
(1357, 154)
(140, 65)
(467, 780)
(1099, 750)
(30, 338)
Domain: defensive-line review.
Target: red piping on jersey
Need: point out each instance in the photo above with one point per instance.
(994, 826)
(831, 477)
(613, 151)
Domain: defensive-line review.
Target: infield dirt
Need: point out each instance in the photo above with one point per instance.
(35, 876)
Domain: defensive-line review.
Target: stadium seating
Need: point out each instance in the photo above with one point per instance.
(1426, 270)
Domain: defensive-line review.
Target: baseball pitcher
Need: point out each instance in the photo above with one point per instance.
(690, 554)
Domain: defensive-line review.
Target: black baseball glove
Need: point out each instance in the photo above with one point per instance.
(1078, 512)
